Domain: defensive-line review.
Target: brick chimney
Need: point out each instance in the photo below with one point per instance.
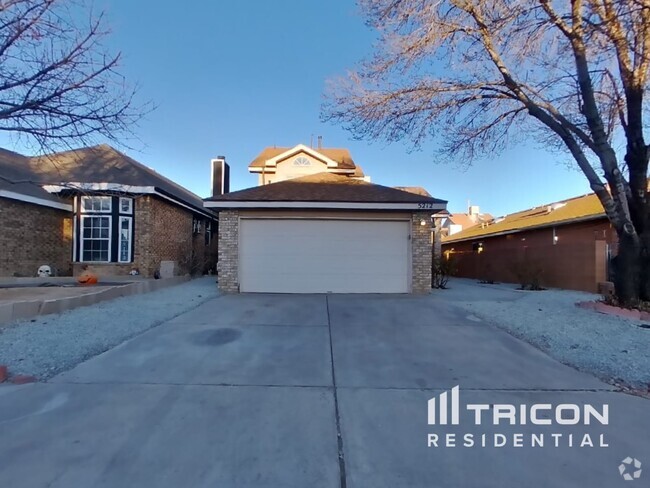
(220, 176)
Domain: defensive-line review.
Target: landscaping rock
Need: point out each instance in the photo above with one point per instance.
(50, 344)
(609, 346)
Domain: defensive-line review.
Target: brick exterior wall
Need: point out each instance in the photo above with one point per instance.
(421, 259)
(163, 232)
(228, 264)
(33, 235)
(578, 261)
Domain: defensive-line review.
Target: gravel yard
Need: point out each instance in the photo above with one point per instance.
(49, 344)
(609, 347)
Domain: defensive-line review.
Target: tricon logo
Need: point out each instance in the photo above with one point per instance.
(630, 469)
(445, 410)
(438, 411)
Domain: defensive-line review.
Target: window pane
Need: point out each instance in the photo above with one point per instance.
(96, 204)
(95, 237)
(125, 239)
(125, 205)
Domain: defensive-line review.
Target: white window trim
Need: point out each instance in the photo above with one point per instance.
(75, 242)
(130, 210)
(88, 197)
(119, 239)
(82, 239)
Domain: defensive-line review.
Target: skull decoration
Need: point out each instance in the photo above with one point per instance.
(44, 271)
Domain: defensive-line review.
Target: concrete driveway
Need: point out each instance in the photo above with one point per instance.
(311, 391)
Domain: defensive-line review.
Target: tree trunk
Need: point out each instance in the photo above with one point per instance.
(644, 292)
(628, 269)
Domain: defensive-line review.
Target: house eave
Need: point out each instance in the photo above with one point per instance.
(414, 206)
(35, 200)
(517, 231)
(127, 189)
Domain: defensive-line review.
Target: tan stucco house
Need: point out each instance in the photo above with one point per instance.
(315, 224)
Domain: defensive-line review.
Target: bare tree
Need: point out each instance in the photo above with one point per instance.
(480, 74)
(58, 84)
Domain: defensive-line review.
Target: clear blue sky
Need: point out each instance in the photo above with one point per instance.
(231, 77)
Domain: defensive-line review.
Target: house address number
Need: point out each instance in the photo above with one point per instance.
(425, 205)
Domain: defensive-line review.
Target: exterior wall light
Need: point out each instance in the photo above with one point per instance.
(423, 223)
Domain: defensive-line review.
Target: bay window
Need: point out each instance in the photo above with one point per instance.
(104, 229)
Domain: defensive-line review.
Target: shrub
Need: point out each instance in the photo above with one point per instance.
(486, 271)
(529, 274)
(441, 270)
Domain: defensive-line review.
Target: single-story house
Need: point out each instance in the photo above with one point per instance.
(321, 227)
(97, 206)
(569, 242)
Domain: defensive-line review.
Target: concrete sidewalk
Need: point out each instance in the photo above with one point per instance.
(308, 391)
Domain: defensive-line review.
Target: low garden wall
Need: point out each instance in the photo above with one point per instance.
(26, 309)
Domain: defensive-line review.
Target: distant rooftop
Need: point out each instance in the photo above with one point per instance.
(580, 208)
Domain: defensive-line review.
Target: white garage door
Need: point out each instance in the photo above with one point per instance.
(320, 256)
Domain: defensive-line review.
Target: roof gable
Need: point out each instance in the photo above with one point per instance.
(289, 160)
(295, 151)
(334, 157)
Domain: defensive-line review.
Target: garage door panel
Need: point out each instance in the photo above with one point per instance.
(318, 256)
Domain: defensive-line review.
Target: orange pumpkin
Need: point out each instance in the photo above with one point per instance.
(87, 278)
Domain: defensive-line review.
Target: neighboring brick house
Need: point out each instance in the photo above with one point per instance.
(321, 227)
(570, 242)
(99, 207)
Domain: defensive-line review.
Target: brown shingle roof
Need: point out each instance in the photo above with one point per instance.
(358, 172)
(418, 190)
(563, 212)
(324, 187)
(16, 177)
(104, 164)
(340, 155)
